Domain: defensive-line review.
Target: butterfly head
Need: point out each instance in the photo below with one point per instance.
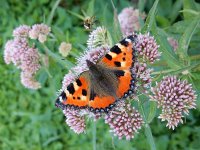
(89, 63)
(93, 68)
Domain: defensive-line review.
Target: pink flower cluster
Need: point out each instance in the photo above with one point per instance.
(40, 32)
(147, 51)
(143, 75)
(147, 48)
(175, 98)
(129, 20)
(98, 38)
(23, 56)
(75, 121)
(124, 120)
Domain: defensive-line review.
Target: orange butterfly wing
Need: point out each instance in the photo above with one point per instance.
(76, 95)
(79, 95)
(122, 57)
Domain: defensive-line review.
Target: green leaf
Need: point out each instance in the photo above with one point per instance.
(90, 10)
(148, 132)
(189, 4)
(141, 5)
(76, 15)
(53, 12)
(185, 39)
(175, 10)
(190, 11)
(165, 48)
(117, 30)
(150, 18)
(152, 111)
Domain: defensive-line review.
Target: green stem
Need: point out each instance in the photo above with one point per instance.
(176, 71)
(52, 12)
(65, 63)
(94, 136)
(149, 136)
(44, 66)
(148, 132)
(162, 72)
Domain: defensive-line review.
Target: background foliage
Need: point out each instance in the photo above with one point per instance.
(28, 118)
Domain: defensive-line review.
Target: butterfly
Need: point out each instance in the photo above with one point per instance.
(109, 80)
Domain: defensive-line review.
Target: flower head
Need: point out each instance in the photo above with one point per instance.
(143, 75)
(8, 52)
(40, 32)
(74, 120)
(124, 120)
(17, 49)
(64, 48)
(23, 56)
(98, 37)
(147, 48)
(21, 31)
(129, 20)
(29, 81)
(30, 61)
(175, 98)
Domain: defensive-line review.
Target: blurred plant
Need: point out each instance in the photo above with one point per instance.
(173, 42)
(64, 48)
(129, 20)
(23, 55)
(40, 32)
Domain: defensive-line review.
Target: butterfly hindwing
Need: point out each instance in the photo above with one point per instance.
(76, 94)
(101, 104)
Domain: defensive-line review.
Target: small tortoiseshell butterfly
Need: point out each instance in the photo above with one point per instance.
(106, 82)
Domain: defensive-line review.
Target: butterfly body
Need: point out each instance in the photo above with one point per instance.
(103, 80)
(106, 82)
